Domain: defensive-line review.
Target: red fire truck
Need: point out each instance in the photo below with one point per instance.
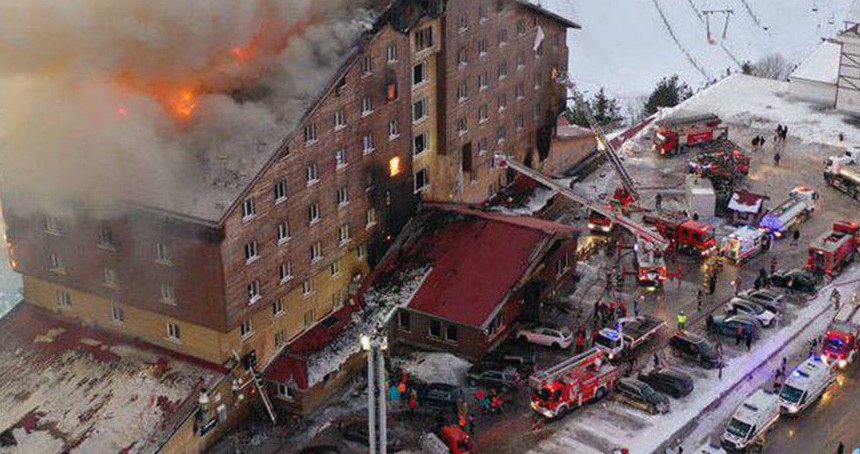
(687, 236)
(622, 200)
(674, 135)
(572, 383)
(831, 252)
(843, 336)
(651, 269)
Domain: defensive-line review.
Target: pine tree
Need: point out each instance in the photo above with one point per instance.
(670, 92)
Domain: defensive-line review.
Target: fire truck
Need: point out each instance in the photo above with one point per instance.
(572, 383)
(622, 201)
(726, 162)
(843, 173)
(674, 136)
(843, 336)
(832, 251)
(791, 212)
(651, 269)
(687, 236)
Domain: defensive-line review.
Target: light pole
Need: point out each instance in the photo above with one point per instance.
(375, 346)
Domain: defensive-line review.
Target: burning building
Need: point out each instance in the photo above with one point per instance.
(216, 182)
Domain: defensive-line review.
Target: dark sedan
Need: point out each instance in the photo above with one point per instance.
(439, 396)
(728, 325)
(696, 348)
(669, 381)
(640, 395)
(795, 281)
(493, 375)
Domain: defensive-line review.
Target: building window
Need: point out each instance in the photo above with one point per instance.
(246, 329)
(521, 61)
(254, 294)
(462, 126)
(342, 197)
(503, 69)
(280, 191)
(482, 146)
(521, 27)
(369, 147)
(483, 11)
(520, 91)
(307, 288)
(312, 174)
(316, 252)
(173, 332)
(419, 143)
(367, 105)
(538, 81)
(249, 208)
(252, 252)
(420, 110)
(370, 217)
(434, 329)
(343, 234)
(168, 294)
(64, 298)
(422, 180)
(111, 278)
(106, 237)
(57, 265)
(117, 314)
(338, 299)
(482, 81)
(340, 156)
(361, 251)
(339, 119)
(335, 268)
(419, 73)
(366, 65)
(341, 84)
(285, 271)
(283, 233)
(561, 265)
(521, 122)
(404, 321)
(280, 340)
(483, 114)
(501, 134)
(463, 22)
(311, 134)
(394, 166)
(463, 92)
(503, 36)
(502, 102)
(393, 130)
(482, 46)
(423, 38)
(285, 392)
(540, 50)
(391, 53)
(310, 318)
(391, 92)
(51, 225)
(462, 56)
(313, 213)
(451, 333)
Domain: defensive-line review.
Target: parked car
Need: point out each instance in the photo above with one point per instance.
(727, 325)
(795, 281)
(492, 374)
(769, 299)
(670, 381)
(742, 306)
(639, 394)
(695, 348)
(356, 432)
(524, 363)
(440, 396)
(547, 336)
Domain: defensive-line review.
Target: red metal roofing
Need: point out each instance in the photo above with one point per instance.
(522, 221)
(475, 264)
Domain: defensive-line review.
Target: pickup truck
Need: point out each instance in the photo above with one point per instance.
(629, 333)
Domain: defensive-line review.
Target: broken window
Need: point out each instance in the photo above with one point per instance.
(423, 38)
(434, 328)
(404, 321)
(419, 73)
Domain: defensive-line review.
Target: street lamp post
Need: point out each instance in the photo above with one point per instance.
(375, 347)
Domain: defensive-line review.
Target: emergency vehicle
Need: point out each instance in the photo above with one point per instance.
(805, 385)
(685, 235)
(799, 205)
(750, 422)
(745, 243)
(451, 440)
(673, 136)
(843, 173)
(831, 252)
(651, 269)
(572, 383)
(842, 339)
(629, 333)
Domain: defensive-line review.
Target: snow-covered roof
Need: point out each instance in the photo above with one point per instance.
(64, 388)
(746, 202)
(822, 65)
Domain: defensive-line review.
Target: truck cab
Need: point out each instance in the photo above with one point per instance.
(840, 345)
(457, 441)
(805, 385)
(752, 419)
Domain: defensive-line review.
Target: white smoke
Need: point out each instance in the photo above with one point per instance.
(88, 90)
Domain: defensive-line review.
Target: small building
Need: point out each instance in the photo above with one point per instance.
(815, 78)
(481, 272)
(747, 208)
(571, 144)
(701, 197)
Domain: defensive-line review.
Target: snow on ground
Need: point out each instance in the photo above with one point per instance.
(433, 367)
(604, 426)
(536, 202)
(627, 47)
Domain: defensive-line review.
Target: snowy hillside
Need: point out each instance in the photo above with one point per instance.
(627, 45)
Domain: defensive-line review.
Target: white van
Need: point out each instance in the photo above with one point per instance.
(752, 419)
(805, 385)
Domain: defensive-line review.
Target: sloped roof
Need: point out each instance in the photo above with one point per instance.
(538, 6)
(747, 202)
(822, 65)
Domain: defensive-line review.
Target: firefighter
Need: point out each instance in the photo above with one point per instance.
(835, 298)
(580, 342)
(658, 202)
(619, 279)
(773, 264)
(682, 320)
(776, 158)
(795, 237)
(700, 299)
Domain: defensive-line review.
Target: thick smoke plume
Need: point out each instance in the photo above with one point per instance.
(153, 100)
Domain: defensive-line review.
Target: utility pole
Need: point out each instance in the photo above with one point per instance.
(377, 430)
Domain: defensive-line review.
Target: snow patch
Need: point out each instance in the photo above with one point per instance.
(436, 367)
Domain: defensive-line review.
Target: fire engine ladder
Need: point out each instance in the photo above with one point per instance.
(603, 144)
(554, 372)
(257, 382)
(636, 228)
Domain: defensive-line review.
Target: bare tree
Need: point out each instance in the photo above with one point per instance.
(773, 66)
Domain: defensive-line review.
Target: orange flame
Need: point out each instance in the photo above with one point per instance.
(185, 104)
